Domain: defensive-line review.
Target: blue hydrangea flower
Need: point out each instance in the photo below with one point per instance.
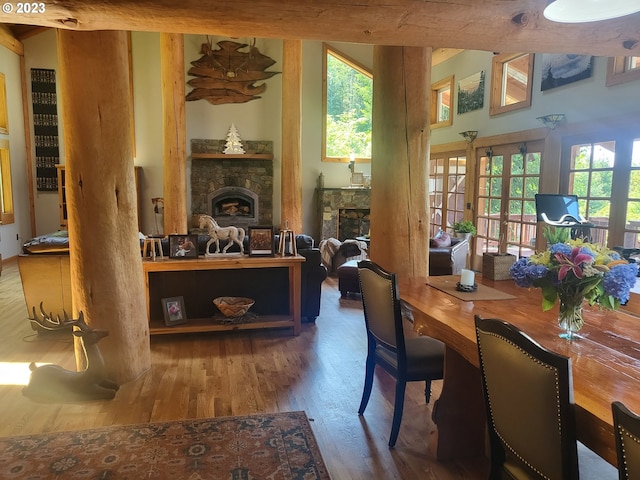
(560, 248)
(619, 280)
(518, 272)
(536, 272)
(588, 251)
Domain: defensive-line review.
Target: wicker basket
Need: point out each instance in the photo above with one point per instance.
(233, 306)
(495, 266)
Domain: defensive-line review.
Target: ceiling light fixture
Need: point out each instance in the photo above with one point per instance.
(580, 11)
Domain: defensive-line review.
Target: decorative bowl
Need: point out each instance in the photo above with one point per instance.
(233, 306)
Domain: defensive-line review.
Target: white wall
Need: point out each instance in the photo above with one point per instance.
(40, 52)
(13, 234)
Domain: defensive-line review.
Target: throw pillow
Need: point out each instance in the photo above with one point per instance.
(441, 240)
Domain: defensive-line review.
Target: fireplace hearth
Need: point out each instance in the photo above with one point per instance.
(233, 189)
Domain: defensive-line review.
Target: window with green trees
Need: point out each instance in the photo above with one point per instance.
(605, 175)
(347, 103)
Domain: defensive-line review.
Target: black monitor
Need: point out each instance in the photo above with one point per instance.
(558, 209)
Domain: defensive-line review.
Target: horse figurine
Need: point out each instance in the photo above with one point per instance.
(52, 383)
(217, 233)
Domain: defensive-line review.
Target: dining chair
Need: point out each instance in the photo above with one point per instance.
(626, 427)
(406, 359)
(528, 395)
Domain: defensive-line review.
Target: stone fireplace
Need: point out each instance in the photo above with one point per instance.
(234, 189)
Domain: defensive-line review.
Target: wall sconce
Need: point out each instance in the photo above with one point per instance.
(579, 11)
(489, 153)
(552, 120)
(469, 135)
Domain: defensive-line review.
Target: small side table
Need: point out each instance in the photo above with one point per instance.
(152, 243)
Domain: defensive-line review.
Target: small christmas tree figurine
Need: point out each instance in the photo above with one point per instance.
(234, 144)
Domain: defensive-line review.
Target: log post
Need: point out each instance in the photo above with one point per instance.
(106, 265)
(400, 159)
(291, 178)
(174, 157)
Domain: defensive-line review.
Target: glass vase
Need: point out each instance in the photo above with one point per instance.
(570, 317)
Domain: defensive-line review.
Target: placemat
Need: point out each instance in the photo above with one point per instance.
(447, 284)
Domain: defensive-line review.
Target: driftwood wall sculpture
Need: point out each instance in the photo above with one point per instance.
(227, 74)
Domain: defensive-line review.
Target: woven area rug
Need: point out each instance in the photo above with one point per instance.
(266, 446)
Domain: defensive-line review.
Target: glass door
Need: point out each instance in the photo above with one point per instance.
(508, 179)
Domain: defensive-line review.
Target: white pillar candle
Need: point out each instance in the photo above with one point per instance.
(467, 277)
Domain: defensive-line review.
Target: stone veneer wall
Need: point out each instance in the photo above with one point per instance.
(210, 174)
(331, 200)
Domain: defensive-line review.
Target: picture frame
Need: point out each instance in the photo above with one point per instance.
(471, 93)
(563, 69)
(261, 241)
(174, 311)
(183, 246)
(4, 116)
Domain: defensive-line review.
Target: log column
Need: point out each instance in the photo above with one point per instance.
(291, 200)
(174, 157)
(106, 265)
(400, 159)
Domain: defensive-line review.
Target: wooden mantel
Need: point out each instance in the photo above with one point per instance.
(225, 156)
(489, 25)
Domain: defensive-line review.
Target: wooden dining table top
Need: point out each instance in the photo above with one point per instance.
(605, 360)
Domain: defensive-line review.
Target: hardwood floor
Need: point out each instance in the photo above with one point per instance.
(221, 374)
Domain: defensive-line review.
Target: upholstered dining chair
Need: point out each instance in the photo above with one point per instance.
(626, 427)
(528, 394)
(406, 359)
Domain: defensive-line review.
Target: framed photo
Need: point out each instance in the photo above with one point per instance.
(183, 246)
(562, 69)
(174, 311)
(261, 241)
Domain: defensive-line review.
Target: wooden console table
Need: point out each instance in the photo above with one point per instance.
(273, 282)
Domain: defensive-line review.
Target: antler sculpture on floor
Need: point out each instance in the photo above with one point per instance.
(52, 383)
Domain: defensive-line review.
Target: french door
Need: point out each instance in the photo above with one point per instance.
(508, 177)
(603, 170)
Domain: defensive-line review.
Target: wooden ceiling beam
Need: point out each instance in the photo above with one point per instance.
(8, 40)
(490, 25)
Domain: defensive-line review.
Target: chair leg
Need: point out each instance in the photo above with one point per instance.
(368, 384)
(427, 391)
(397, 412)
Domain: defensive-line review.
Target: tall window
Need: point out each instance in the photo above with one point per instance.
(605, 175)
(508, 179)
(347, 102)
(447, 173)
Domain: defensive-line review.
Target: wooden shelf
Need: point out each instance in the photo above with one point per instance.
(224, 156)
(197, 325)
(198, 282)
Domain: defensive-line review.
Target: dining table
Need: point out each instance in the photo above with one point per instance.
(605, 358)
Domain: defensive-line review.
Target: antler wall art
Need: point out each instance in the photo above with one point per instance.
(228, 74)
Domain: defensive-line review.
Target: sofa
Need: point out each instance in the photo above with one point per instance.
(449, 260)
(444, 260)
(45, 273)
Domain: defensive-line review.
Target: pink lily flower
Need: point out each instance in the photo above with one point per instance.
(572, 263)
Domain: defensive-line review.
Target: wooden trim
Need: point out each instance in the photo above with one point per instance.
(617, 73)
(497, 82)
(27, 141)
(8, 40)
(4, 115)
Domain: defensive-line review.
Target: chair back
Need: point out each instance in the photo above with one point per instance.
(626, 425)
(382, 315)
(528, 396)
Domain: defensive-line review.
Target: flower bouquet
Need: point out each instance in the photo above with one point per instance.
(572, 272)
